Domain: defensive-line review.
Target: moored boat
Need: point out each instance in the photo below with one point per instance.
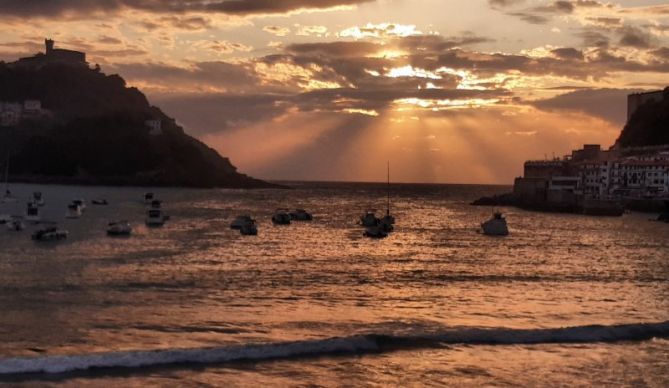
(73, 211)
(496, 226)
(155, 217)
(375, 232)
(301, 215)
(250, 229)
(369, 219)
(38, 198)
(32, 212)
(49, 234)
(148, 198)
(79, 202)
(8, 197)
(240, 221)
(281, 217)
(16, 224)
(119, 228)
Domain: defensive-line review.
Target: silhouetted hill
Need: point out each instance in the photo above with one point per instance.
(648, 126)
(93, 131)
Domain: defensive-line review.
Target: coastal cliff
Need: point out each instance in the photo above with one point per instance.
(648, 126)
(80, 126)
(632, 175)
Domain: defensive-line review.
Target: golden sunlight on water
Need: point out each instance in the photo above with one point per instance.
(197, 284)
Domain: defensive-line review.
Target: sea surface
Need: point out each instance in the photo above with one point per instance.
(564, 300)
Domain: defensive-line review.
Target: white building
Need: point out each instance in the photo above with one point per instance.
(595, 178)
(32, 107)
(155, 127)
(10, 114)
(639, 177)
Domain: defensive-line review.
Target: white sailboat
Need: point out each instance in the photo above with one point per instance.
(8, 197)
(388, 220)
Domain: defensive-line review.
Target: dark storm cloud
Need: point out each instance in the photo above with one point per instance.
(81, 8)
(607, 104)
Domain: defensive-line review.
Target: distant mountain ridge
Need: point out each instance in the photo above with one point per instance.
(93, 129)
(648, 125)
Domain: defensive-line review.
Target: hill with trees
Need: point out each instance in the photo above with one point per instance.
(92, 129)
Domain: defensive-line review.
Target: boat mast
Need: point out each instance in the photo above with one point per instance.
(7, 175)
(388, 191)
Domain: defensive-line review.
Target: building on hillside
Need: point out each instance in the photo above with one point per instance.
(594, 178)
(54, 55)
(155, 127)
(588, 152)
(640, 177)
(32, 108)
(635, 100)
(545, 168)
(10, 114)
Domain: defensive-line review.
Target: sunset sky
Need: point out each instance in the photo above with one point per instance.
(459, 91)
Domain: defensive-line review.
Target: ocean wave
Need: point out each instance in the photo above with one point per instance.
(357, 344)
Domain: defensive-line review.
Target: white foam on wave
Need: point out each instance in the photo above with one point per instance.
(340, 345)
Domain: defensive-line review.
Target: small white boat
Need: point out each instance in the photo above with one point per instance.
(50, 234)
(100, 202)
(155, 217)
(496, 226)
(119, 228)
(16, 224)
(375, 232)
(369, 219)
(38, 198)
(249, 229)
(73, 211)
(281, 217)
(5, 218)
(9, 198)
(32, 213)
(240, 221)
(80, 202)
(301, 215)
(148, 198)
